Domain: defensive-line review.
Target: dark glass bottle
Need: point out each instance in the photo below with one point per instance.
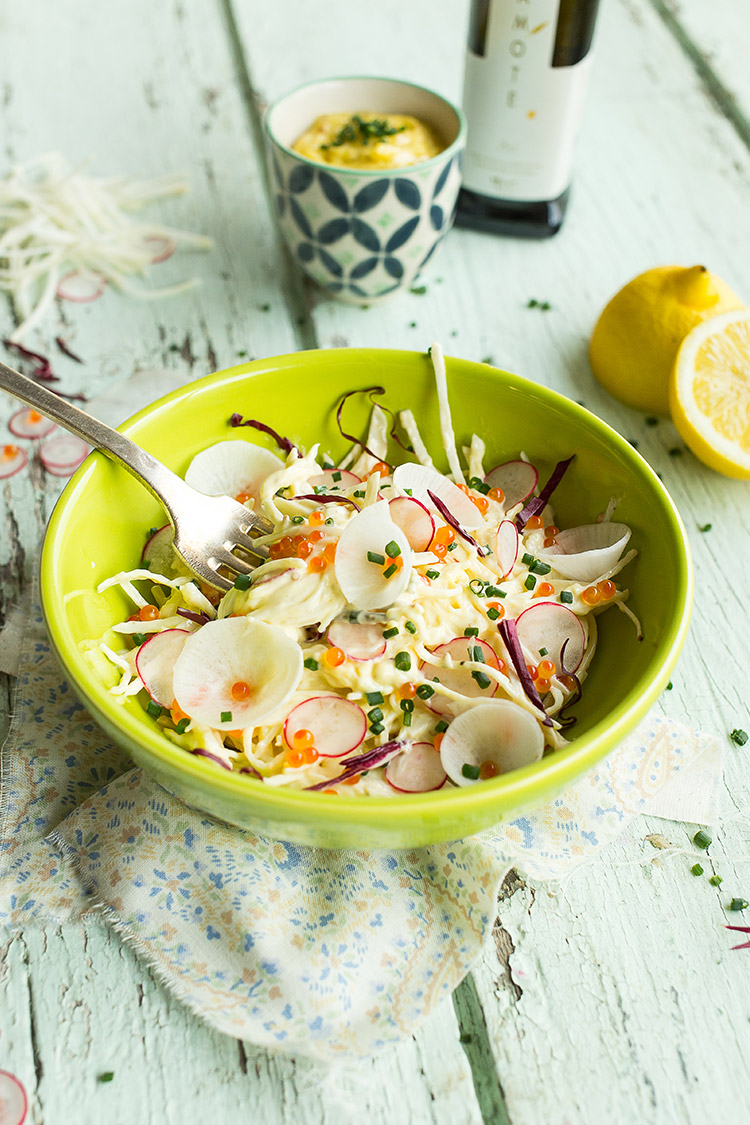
(527, 71)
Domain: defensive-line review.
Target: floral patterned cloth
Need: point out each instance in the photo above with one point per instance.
(327, 954)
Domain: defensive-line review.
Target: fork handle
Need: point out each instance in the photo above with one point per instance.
(165, 485)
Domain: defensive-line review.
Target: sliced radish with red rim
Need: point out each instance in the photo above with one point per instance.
(159, 247)
(499, 732)
(332, 479)
(30, 424)
(337, 725)
(550, 626)
(81, 286)
(155, 661)
(584, 553)
(232, 468)
(14, 1103)
(12, 460)
(414, 520)
(506, 547)
(417, 481)
(61, 455)
(419, 769)
(158, 551)
(359, 640)
(459, 679)
(372, 535)
(517, 479)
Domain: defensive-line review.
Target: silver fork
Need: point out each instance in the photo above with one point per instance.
(207, 529)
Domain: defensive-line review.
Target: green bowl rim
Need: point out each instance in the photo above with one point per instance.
(557, 768)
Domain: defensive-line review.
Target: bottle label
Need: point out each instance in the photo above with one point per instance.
(527, 71)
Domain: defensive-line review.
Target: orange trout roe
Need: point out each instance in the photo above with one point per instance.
(243, 497)
(533, 523)
(240, 690)
(592, 595)
(9, 452)
(294, 759)
(148, 613)
(317, 564)
(496, 494)
(302, 739)
(481, 503)
(407, 691)
(318, 516)
(333, 657)
(546, 669)
(543, 590)
(487, 770)
(437, 741)
(607, 589)
(381, 468)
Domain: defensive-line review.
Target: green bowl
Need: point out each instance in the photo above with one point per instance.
(101, 520)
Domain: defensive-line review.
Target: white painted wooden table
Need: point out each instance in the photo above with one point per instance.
(614, 998)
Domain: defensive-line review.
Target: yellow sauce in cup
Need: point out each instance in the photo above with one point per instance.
(368, 140)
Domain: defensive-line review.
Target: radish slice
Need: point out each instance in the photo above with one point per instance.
(506, 547)
(338, 725)
(360, 641)
(332, 479)
(414, 520)
(158, 552)
(363, 582)
(12, 460)
(155, 663)
(418, 770)
(518, 479)
(550, 625)
(418, 480)
(228, 652)
(30, 424)
(159, 247)
(82, 286)
(61, 455)
(14, 1104)
(585, 553)
(231, 468)
(460, 678)
(500, 732)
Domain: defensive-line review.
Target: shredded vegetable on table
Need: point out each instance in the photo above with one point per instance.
(410, 630)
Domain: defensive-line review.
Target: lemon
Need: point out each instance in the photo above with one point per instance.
(709, 392)
(635, 341)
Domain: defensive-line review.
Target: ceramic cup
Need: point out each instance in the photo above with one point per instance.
(363, 234)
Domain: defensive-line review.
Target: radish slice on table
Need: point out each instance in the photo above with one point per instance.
(418, 480)
(499, 732)
(61, 455)
(359, 640)
(236, 672)
(159, 247)
(460, 678)
(337, 725)
(155, 663)
(506, 547)
(14, 1104)
(414, 520)
(82, 286)
(585, 553)
(518, 479)
(368, 538)
(418, 770)
(158, 552)
(12, 460)
(231, 468)
(30, 424)
(332, 479)
(550, 625)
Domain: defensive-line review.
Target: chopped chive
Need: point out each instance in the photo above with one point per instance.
(543, 651)
(182, 726)
(696, 869)
(337, 475)
(471, 632)
(738, 904)
(226, 716)
(432, 573)
(407, 705)
(424, 691)
(153, 709)
(701, 839)
(530, 582)
(482, 680)
(493, 613)
(669, 686)
(409, 491)
(388, 633)
(377, 728)
(538, 567)
(374, 557)
(566, 596)
(477, 587)
(390, 571)
(704, 527)
(494, 592)
(151, 531)
(475, 654)
(374, 697)
(106, 1077)
(311, 664)
(146, 564)
(406, 718)
(472, 772)
(716, 880)
(392, 549)
(483, 488)
(375, 715)
(739, 736)
(242, 582)
(453, 546)
(402, 660)
(441, 726)
(527, 559)
(298, 519)
(474, 482)
(410, 626)
(139, 638)
(359, 493)
(329, 521)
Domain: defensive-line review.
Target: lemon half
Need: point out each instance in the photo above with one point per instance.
(709, 393)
